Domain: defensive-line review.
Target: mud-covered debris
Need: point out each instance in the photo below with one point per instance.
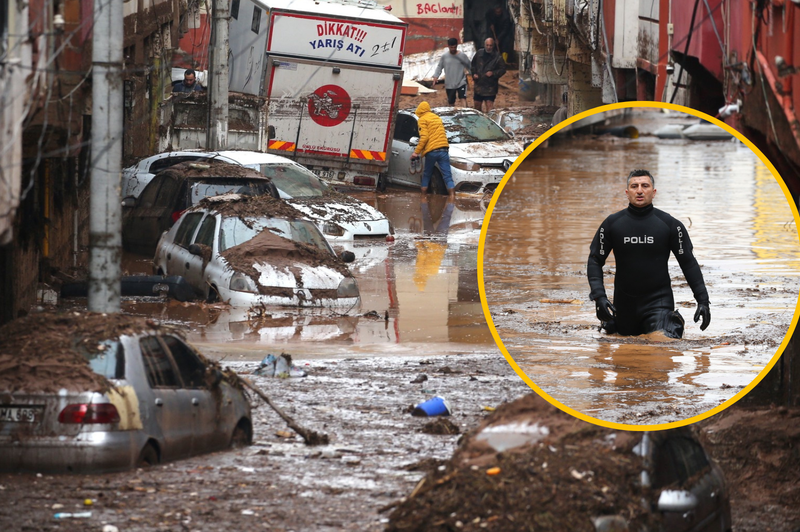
(524, 492)
(48, 351)
(247, 206)
(441, 426)
(420, 378)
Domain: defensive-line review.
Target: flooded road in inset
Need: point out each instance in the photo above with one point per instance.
(419, 294)
(535, 255)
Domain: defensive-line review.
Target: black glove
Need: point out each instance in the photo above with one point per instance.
(605, 310)
(703, 312)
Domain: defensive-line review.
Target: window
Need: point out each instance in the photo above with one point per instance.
(109, 362)
(256, 25)
(206, 233)
(166, 194)
(677, 461)
(150, 193)
(235, 9)
(157, 364)
(293, 180)
(192, 370)
(405, 127)
(187, 228)
(462, 127)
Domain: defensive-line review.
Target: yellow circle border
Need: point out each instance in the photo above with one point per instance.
(482, 243)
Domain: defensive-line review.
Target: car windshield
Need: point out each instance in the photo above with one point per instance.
(200, 190)
(109, 361)
(471, 127)
(294, 180)
(235, 231)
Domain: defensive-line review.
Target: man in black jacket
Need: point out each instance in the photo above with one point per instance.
(642, 238)
(487, 68)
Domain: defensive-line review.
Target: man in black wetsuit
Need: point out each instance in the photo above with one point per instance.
(642, 238)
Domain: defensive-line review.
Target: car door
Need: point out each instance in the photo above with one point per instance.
(400, 170)
(195, 265)
(170, 407)
(681, 463)
(213, 423)
(177, 251)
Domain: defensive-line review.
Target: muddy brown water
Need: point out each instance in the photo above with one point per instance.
(745, 240)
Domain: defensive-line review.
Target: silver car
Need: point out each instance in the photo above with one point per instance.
(110, 395)
(480, 151)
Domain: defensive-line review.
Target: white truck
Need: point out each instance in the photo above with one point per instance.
(331, 72)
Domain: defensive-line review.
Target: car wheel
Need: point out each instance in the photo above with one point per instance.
(437, 183)
(148, 457)
(213, 295)
(242, 435)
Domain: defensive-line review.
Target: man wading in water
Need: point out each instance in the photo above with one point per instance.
(642, 238)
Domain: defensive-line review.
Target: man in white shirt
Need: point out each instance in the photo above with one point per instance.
(453, 63)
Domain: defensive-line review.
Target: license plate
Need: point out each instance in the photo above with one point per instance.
(324, 174)
(21, 414)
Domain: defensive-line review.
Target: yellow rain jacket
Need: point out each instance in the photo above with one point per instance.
(431, 130)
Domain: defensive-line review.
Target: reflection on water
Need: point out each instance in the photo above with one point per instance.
(420, 289)
(745, 240)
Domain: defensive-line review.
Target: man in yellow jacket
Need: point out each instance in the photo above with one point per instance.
(434, 146)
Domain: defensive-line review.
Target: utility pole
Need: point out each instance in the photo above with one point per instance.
(217, 132)
(105, 209)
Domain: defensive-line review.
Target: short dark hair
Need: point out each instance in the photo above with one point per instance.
(639, 173)
(189, 72)
(452, 41)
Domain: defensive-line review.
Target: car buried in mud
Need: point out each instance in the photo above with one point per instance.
(177, 188)
(251, 251)
(341, 218)
(86, 392)
(480, 151)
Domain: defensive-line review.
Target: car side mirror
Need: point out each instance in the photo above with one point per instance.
(194, 249)
(348, 256)
(128, 201)
(677, 501)
(413, 141)
(213, 377)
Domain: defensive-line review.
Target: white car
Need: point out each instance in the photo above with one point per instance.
(252, 251)
(480, 151)
(338, 216)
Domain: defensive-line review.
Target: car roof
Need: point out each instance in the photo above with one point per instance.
(210, 170)
(254, 157)
(248, 206)
(445, 111)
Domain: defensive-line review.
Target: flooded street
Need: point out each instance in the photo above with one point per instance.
(537, 244)
(425, 282)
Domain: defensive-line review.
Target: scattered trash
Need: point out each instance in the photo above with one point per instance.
(435, 406)
(420, 378)
(280, 367)
(57, 506)
(248, 512)
(110, 528)
(65, 515)
(488, 408)
(88, 502)
(493, 471)
(284, 434)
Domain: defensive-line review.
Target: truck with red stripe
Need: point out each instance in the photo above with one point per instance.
(331, 71)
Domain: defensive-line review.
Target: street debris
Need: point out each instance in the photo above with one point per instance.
(280, 367)
(435, 406)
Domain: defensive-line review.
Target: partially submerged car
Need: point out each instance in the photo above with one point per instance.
(176, 189)
(480, 151)
(339, 216)
(255, 250)
(86, 392)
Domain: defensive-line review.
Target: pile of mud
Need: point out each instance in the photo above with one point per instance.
(281, 253)
(759, 451)
(574, 473)
(212, 168)
(44, 352)
(246, 206)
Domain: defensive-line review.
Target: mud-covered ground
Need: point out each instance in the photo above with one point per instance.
(378, 452)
